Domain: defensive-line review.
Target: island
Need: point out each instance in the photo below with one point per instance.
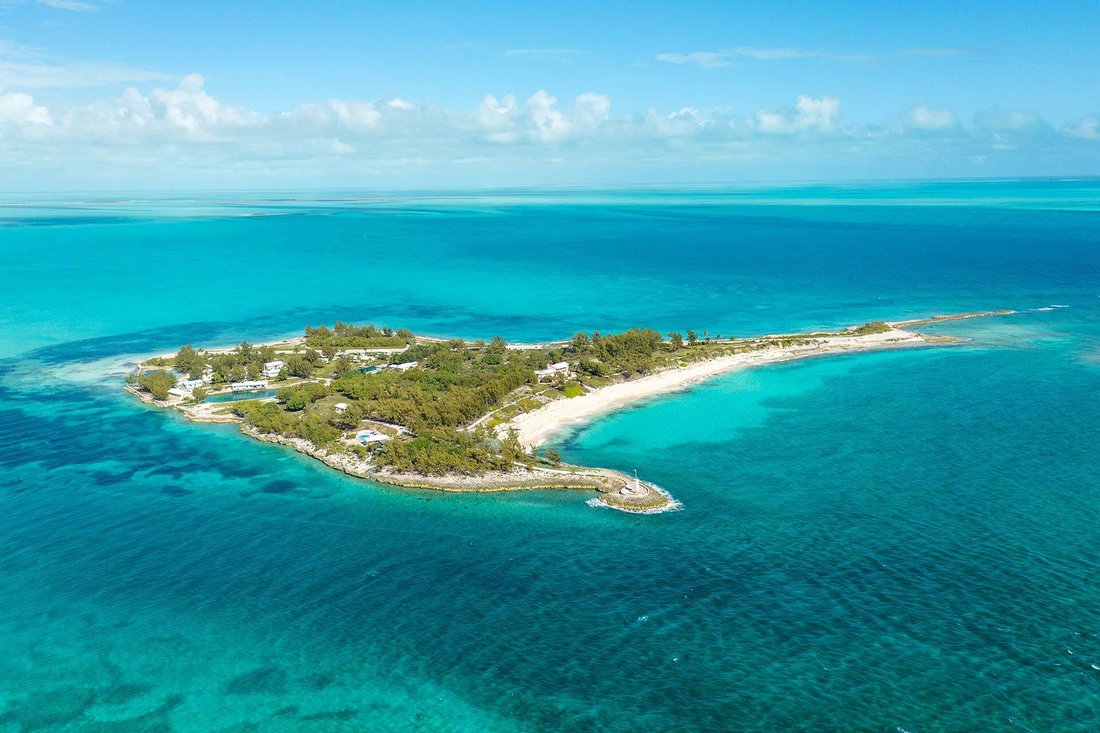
(471, 416)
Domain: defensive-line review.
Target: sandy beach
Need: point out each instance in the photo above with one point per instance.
(538, 426)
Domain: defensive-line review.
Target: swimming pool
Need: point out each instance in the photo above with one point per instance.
(237, 396)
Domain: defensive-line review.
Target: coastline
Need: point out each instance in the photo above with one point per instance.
(537, 427)
(533, 428)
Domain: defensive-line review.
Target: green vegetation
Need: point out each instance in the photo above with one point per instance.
(452, 385)
(190, 362)
(439, 452)
(629, 352)
(157, 383)
(297, 397)
(439, 403)
(244, 362)
(872, 327)
(448, 388)
(573, 389)
(342, 336)
(270, 417)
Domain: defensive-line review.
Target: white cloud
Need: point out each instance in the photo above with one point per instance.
(702, 59)
(592, 109)
(809, 114)
(183, 127)
(1084, 129)
(190, 109)
(19, 109)
(549, 123)
(1009, 121)
(333, 116)
(79, 5)
(1010, 129)
(723, 57)
(496, 118)
(23, 67)
(923, 117)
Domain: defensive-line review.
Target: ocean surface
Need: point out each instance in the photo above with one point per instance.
(895, 541)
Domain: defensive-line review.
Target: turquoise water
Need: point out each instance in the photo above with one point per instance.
(898, 541)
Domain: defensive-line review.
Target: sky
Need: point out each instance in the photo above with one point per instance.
(141, 94)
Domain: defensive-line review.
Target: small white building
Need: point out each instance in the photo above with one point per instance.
(371, 436)
(272, 368)
(254, 385)
(553, 371)
(404, 367)
(340, 406)
(178, 392)
(189, 385)
(207, 375)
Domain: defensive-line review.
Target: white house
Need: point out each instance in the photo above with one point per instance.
(207, 375)
(251, 386)
(189, 385)
(404, 367)
(370, 436)
(340, 406)
(272, 368)
(181, 393)
(554, 370)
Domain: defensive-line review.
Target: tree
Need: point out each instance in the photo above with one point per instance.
(692, 338)
(157, 383)
(498, 345)
(676, 341)
(553, 456)
(298, 366)
(189, 361)
(349, 418)
(591, 366)
(510, 447)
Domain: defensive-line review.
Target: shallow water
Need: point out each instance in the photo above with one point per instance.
(887, 541)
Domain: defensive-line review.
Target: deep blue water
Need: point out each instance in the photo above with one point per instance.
(898, 541)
